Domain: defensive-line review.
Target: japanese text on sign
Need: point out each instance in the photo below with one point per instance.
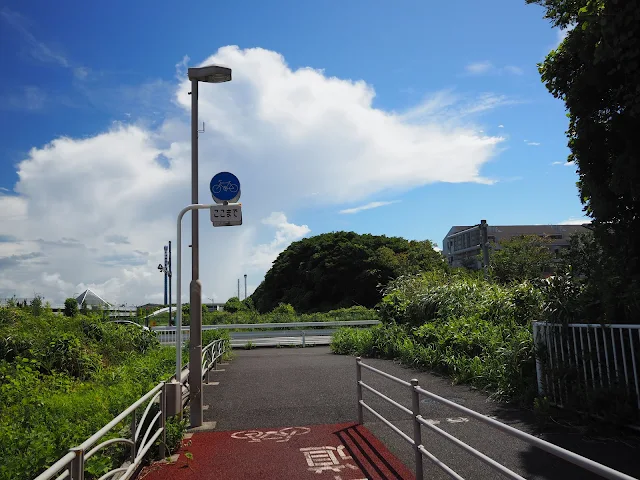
(226, 215)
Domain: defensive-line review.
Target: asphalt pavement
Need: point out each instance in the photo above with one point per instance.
(291, 387)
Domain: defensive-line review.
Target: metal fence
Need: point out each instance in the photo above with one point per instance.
(270, 334)
(143, 431)
(578, 362)
(418, 422)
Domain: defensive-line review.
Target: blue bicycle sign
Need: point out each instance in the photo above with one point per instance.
(225, 187)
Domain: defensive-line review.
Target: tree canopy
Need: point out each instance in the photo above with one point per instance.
(341, 269)
(596, 72)
(521, 258)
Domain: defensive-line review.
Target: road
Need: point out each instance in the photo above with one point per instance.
(269, 388)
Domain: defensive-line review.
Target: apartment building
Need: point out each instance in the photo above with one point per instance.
(463, 244)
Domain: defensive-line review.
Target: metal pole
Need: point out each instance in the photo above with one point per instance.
(195, 302)
(417, 429)
(485, 247)
(178, 322)
(245, 286)
(77, 464)
(359, 390)
(238, 289)
(165, 275)
(170, 283)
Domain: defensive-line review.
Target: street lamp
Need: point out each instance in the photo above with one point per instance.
(208, 74)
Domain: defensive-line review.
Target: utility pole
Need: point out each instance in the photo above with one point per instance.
(238, 289)
(484, 239)
(165, 275)
(245, 286)
(169, 274)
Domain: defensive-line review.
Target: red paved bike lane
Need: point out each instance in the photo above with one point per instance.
(332, 452)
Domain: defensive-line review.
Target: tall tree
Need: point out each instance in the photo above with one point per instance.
(521, 258)
(341, 269)
(596, 72)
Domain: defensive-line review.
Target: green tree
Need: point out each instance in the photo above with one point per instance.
(233, 305)
(596, 72)
(70, 307)
(521, 258)
(36, 306)
(341, 270)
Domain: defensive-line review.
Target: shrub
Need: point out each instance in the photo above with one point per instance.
(62, 379)
(70, 307)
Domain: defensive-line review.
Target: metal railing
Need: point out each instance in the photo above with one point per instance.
(143, 433)
(270, 334)
(585, 358)
(418, 422)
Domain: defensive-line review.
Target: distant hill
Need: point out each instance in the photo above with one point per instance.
(341, 269)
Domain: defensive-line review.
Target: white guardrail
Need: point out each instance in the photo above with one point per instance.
(143, 432)
(587, 357)
(270, 334)
(415, 440)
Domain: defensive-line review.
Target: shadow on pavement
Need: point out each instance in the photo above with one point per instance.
(609, 446)
(368, 457)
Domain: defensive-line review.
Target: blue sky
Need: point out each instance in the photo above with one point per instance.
(81, 69)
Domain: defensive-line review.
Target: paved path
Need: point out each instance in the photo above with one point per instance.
(271, 389)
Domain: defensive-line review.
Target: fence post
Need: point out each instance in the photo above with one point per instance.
(133, 435)
(163, 419)
(536, 347)
(359, 390)
(77, 464)
(417, 428)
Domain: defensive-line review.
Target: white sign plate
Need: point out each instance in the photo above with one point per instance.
(226, 215)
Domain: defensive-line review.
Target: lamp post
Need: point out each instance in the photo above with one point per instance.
(208, 74)
(245, 286)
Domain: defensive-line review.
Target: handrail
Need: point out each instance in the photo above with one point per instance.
(243, 326)
(593, 325)
(73, 462)
(419, 421)
(56, 467)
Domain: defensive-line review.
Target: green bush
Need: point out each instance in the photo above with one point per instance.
(70, 307)
(62, 379)
(457, 324)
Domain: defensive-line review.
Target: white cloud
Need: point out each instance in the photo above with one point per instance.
(513, 70)
(479, 68)
(500, 126)
(295, 138)
(533, 144)
(565, 164)
(486, 68)
(575, 221)
(263, 255)
(368, 206)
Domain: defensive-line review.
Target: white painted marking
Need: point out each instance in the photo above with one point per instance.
(211, 383)
(458, 420)
(282, 435)
(431, 421)
(205, 407)
(321, 459)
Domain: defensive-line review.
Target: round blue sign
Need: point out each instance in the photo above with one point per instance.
(225, 187)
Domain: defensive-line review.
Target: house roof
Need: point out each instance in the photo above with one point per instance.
(91, 298)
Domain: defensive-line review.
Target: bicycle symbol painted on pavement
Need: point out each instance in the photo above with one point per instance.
(282, 435)
(225, 187)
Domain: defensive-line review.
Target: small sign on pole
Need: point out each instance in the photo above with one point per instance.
(226, 215)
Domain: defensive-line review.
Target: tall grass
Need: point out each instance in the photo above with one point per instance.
(457, 324)
(62, 379)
